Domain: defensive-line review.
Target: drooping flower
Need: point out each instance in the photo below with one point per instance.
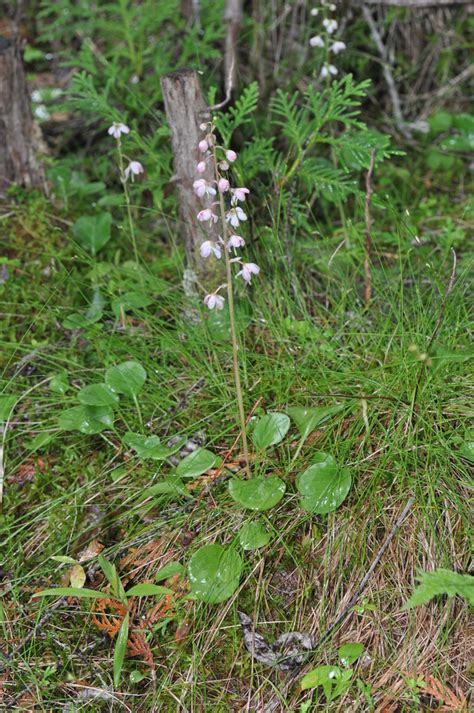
(203, 188)
(207, 214)
(203, 126)
(209, 247)
(117, 129)
(203, 146)
(238, 194)
(314, 12)
(330, 25)
(134, 168)
(223, 185)
(248, 269)
(223, 165)
(316, 41)
(214, 301)
(337, 47)
(235, 241)
(328, 70)
(201, 167)
(235, 216)
(230, 155)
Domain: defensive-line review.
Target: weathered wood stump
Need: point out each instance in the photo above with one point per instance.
(18, 134)
(185, 110)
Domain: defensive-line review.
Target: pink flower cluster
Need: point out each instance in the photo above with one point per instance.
(220, 159)
(134, 168)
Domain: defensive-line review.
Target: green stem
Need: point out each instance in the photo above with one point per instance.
(127, 202)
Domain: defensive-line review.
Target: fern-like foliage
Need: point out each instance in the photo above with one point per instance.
(238, 114)
(442, 581)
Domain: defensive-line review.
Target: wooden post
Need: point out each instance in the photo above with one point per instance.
(185, 110)
(18, 134)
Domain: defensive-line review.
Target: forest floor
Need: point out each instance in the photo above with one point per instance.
(400, 430)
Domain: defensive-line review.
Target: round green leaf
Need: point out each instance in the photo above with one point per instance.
(257, 493)
(270, 429)
(97, 395)
(127, 378)
(323, 486)
(197, 463)
(130, 301)
(214, 573)
(466, 450)
(146, 447)
(350, 652)
(87, 419)
(93, 231)
(253, 535)
(307, 419)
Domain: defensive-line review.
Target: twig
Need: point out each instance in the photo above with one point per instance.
(354, 599)
(387, 73)
(368, 230)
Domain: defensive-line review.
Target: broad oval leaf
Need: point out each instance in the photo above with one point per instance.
(146, 447)
(130, 301)
(97, 395)
(350, 652)
(93, 231)
(214, 573)
(77, 576)
(307, 419)
(253, 535)
(325, 676)
(323, 487)
(197, 463)
(323, 463)
(257, 493)
(87, 419)
(270, 429)
(127, 378)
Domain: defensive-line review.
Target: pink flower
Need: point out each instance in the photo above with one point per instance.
(223, 165)
(239, 193)
(209, 247)
(316, 41)
(134, 168)
(248, 269)
(201, 167)
(223, 185)
(337, 47)
(230, 155)
(235, 241)
(203, 146)
(214, 301)
(235, 216)
(207, 214)
(117, 129)
(203, 188)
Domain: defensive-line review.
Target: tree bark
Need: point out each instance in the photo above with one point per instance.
(185, 110)
(18, 134)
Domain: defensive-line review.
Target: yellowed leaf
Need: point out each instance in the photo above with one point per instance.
(77, 576)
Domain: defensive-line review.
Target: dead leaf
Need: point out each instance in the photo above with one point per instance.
(77, 576)
(93, 549)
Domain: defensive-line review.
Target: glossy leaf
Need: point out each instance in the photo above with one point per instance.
(127, 378)
(257, 493)
(253, 535)
(323, 485)
(87, 419)
(197, 463)
(307, 419)
(92, 232)
(214, 573)
(97, 395)
(270, 429)
(119, 651)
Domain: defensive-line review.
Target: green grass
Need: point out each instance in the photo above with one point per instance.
(318, 347)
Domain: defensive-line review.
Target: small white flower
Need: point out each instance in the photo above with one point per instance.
(238, 194)
(203, 126)
(207, 214)
(235, 216)
(209, 247)
(214, 301)
(315, 12)
(316, 41)
(235, 241)
(223, 165)
(327, 70)
(230, 155)
(332, 7)
(330, 25)
(248, 269)
(117, 129)
(134, 168)
(337, 47)
(201, 167)
(203, 188)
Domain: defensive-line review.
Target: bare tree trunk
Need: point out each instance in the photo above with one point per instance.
(185, 110)
(19, 139)
(233, 18)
